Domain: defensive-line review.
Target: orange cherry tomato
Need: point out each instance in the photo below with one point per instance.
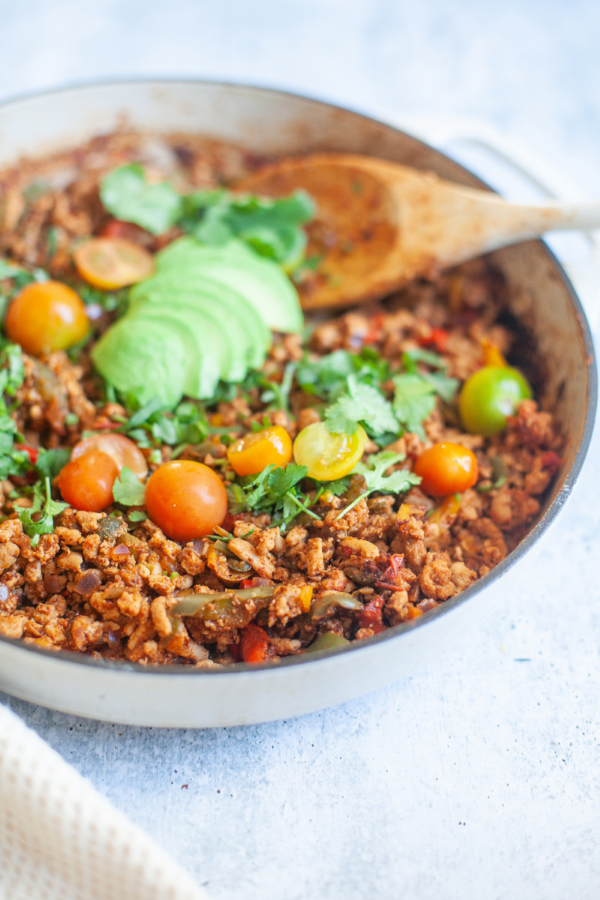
(87, 482)
(186, 499)
(118, 447)
(446, 469)
(111, 263)
(46, 316)
(252, 453)
(254, 644)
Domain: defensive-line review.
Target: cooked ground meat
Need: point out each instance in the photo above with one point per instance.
(104, 586)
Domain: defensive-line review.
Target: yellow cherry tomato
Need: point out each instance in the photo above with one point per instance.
(111, 263)
(328, 456)
(120, 448)
(252, 453)
(46, 316)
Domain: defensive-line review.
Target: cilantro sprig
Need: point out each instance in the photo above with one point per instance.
(44, 508)
(363, 404)
(376, 479)
(272, 227)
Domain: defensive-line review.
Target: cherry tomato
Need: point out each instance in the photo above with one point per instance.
(46, 316)
(328, 456)
(446, 469)
(489, 396)
(186, 499)
(127, 231)
(254, 644)
(118, 447)
(111, 263)
(253, 452)
(87, 482)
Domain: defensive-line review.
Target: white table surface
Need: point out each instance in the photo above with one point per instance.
(479, 776)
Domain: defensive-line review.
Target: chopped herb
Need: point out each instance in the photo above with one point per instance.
(275, 490)
(272, 227)
(414, 400)
(136, 515)
(127, 195)
(50, 462)
(362, 404)
(44, 508)
(128, 489)
(376, 480)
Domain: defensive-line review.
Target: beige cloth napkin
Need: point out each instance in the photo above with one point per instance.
(61, 840)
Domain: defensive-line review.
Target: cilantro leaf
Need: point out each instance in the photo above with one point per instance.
(410, 357)
(374, 473)
(44, 508)
(363, 403)
(443, 385)
(337, 487)
(376, 480)
(414, 400)
(128, 489)
(126, 194)
(50, 462)
(8, 269)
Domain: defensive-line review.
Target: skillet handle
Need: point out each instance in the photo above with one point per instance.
(522, 176)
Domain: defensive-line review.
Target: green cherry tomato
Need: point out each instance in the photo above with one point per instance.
(489, 396)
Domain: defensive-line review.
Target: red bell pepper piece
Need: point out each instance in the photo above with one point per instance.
(254, 644)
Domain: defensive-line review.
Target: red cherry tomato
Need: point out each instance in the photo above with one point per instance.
(446, 468)
(120, 448)
(186, 499)
(254, 644)
(127, 231)
(87, 482)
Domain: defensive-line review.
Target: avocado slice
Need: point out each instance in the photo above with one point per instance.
(147, 358)
(210, 353)
(230, 308)
(259, 280)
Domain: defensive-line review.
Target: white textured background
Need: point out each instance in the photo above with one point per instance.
(479, 776)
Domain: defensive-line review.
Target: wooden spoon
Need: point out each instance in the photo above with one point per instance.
(380, 224)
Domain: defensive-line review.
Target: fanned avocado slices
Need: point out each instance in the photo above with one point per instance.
(232, 310)
(143, 358)
(259, 280)
(206, 314)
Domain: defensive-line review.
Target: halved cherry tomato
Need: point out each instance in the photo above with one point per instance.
(186, 499)
(118, 447)
(446, 468)
(254, 452)
(254, 644)
(87, 482)
(111, 263)
(46, 316)
(328, 456)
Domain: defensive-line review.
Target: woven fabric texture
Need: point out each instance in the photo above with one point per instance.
(61, 840)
